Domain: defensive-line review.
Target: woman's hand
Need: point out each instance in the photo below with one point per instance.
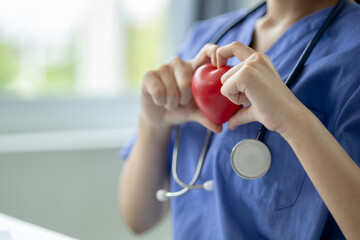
(255, 80)
(167, 94)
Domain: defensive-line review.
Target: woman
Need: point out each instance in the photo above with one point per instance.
(312, 189)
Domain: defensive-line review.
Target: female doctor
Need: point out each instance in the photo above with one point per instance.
(312, 189)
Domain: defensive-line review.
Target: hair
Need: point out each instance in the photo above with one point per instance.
(357, 1)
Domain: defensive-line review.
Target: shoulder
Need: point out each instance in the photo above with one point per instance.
(203, 31)
(340, 45)
(343, 40)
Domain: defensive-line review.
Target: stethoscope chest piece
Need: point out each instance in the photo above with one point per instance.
(250, 159)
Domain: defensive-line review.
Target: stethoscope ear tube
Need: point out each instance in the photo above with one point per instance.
(162, 195)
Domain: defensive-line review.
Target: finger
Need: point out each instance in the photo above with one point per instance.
(231, 72)
(240, 81)
(256, 57)
(230, 88)
(242, 99)
(172, 92)
(242, 116)
(199, 117)
(183, 76)
(235, 49)
(155, 88)
(206, 55)
(239, 99)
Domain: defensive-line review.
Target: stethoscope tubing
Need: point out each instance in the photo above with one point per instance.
(162, 194)
(217, 38)
(199, 165)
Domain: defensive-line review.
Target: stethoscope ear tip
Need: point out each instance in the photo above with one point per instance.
(161, 195)
(209, 185)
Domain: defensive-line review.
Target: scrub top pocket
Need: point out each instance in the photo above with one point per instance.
(280, 186)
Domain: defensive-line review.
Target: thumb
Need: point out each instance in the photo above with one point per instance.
(199, 117)
(242, 116)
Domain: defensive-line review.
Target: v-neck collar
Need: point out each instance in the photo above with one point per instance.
(298, 30)
(301, 28)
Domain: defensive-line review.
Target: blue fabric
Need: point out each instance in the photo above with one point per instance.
(283, 204)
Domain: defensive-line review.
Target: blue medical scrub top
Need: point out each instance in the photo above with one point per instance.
(283, 204)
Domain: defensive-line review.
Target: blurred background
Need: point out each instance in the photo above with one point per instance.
(70, 73)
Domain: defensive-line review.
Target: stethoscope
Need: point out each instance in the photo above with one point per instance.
(250, 158)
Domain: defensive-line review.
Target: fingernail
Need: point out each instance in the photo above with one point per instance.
(222, 80)
(222, 91)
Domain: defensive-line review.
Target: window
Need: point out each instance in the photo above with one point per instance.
(71, 70)
(65, 48)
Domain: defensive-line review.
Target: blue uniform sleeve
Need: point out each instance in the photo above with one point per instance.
(125, 152)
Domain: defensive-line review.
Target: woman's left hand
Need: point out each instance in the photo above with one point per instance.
(255, 80)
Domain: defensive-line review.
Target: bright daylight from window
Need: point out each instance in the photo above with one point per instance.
(82, 48)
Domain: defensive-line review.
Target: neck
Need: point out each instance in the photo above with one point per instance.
(280, 15)
(287, 12)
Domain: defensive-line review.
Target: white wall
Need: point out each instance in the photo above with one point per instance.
(71, 192)
(60, 165)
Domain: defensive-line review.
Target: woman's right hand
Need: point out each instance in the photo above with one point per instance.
(166, 93)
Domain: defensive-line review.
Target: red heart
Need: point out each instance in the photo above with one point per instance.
(206, 86)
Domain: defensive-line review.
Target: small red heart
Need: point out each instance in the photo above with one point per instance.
(206, 85)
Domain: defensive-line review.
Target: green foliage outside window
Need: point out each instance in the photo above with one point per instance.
(60, 76)
(56, 76)
(9, 63)
(145, 48)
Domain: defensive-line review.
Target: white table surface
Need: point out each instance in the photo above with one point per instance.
(15, 229)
